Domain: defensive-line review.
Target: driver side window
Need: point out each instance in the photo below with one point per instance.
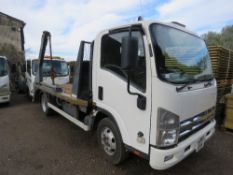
(111, 57)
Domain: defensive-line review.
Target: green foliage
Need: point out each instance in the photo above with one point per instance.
(173, 63)
(227, 37)
(224, 38)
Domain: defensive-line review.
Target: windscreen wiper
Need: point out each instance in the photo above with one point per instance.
(208, 83)
(208, 80)
(178, 89)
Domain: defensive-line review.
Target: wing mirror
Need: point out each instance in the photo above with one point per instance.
(129, 60)
(129, 53)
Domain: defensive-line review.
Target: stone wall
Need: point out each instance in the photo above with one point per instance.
(12, 46)
(9, 36)
(11, 39)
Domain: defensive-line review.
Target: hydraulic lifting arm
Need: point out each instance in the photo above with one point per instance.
(46, 37)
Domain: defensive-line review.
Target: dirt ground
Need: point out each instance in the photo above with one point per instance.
(33, 144)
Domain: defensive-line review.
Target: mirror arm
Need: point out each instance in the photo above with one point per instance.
(128, 87)
(141, 100)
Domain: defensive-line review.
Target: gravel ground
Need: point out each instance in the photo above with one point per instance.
(32, 144)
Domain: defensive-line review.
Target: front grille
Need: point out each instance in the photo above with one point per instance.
(194, 124)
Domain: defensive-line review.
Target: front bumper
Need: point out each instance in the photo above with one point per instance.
(164, 159)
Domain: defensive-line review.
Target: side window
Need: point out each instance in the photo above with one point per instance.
(34, 66)
(111, 57)
(29, 67)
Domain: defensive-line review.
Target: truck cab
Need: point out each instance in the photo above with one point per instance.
(5, 92)
(149, 89)
(59, 65)
(173, 73)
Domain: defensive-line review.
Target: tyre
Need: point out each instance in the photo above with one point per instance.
(110, 141)
(44, 105)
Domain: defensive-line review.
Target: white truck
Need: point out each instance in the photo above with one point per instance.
(146, 87)
(60, 66)
(5, 93)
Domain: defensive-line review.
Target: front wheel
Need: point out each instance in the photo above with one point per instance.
(110, 141)
(44, 105)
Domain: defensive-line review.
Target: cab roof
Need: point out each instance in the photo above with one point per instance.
(147, 23)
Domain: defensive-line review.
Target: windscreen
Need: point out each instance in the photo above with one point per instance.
(180, 57)
(3, 67)
(60, 67)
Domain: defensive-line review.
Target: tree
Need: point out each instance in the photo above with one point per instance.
(224, 38)
(227, 37)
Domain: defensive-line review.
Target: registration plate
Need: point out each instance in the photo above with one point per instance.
(200, 143)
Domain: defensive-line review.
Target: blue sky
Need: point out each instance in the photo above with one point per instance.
(73, 20)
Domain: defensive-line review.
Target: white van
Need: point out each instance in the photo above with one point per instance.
(60, 66)
(5, 92)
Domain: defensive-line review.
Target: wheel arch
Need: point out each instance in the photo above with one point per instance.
(102, 113)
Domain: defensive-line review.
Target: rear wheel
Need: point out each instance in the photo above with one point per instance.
(44, 105)
(110, 141)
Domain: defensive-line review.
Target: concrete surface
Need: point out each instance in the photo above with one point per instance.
(32, 144)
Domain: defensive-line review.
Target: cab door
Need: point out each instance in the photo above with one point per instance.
(111, 88)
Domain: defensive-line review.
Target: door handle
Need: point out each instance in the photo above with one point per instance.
(100, 92)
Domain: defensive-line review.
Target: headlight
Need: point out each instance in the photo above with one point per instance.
(168, 128)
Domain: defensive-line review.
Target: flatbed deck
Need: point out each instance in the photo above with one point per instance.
(57, 91)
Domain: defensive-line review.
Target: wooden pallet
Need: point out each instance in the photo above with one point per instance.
(228, 121)
(222, 62)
